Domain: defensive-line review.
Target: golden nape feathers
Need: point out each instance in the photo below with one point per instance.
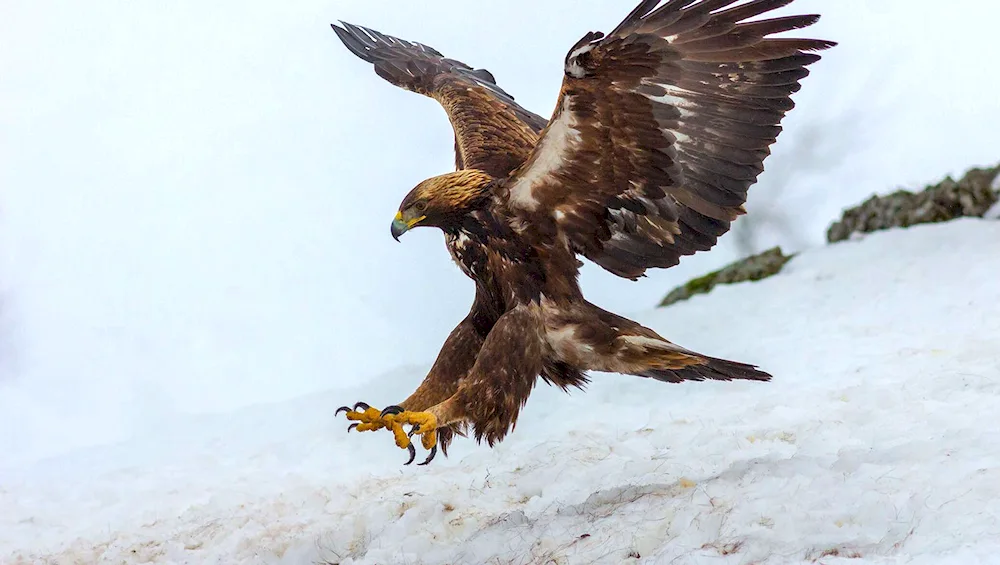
(459, 189)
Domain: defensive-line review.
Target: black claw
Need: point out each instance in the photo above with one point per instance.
(413, 454)
(392, 410)
(360, 405)
(430, 455)
(351, 427)
(413, 430)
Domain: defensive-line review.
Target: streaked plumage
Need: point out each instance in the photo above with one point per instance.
(659, 130)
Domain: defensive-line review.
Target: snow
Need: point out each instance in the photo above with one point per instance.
(876, 442)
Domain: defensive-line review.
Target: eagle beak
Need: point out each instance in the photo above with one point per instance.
(401, 226)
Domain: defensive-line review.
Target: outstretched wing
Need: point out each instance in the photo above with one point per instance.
(660, 129)
(492, 132)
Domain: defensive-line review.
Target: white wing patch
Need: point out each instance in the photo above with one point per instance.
(558, 141)
(676, 97)
(567, 346)
(561, 335)
(573, 66)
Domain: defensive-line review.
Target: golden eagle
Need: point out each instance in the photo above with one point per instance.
(660, 128)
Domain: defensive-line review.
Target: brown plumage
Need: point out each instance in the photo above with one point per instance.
(660, 129)
(492, 132)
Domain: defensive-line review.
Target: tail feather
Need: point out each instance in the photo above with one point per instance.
(712, 369)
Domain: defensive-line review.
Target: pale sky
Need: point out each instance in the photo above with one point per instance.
(195, 196)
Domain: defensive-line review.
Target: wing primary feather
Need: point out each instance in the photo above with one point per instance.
(777, 25)
(352, 43)
(745, 34)
(359, 33)
(684, 23)
(706, 6)
(751, 9)
(768, 49)
(634, 17)
(671, 8)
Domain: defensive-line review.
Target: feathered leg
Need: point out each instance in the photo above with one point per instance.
(496, 388)
(457, 356)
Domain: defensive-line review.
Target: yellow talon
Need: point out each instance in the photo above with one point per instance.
(369, 420)
(424, 424)
(402, 440)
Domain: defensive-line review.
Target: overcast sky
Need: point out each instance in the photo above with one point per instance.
(196, 195)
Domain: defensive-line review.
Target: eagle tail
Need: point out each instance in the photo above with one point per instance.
(711, 369)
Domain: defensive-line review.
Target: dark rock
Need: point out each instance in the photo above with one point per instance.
(752, 268)
(972, 195)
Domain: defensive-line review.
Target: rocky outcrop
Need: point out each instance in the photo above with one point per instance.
(973, 195)
(752, 268)
(977, 194)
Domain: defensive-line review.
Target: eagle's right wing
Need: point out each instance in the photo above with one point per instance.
(660, 129)
(492, 132)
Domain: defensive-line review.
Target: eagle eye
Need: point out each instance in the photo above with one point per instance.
(421, 205)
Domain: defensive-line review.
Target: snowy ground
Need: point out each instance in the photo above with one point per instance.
(877, 442)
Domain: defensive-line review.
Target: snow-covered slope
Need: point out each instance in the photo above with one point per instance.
(877, 442)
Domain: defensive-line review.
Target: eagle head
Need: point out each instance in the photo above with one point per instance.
(442, 201)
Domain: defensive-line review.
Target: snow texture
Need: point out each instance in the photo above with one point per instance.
(876, 442)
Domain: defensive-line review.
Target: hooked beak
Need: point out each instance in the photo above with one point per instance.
(401, 226)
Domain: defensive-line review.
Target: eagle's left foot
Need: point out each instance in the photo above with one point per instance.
(368, 419)
(365, 418)
(423, 423)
